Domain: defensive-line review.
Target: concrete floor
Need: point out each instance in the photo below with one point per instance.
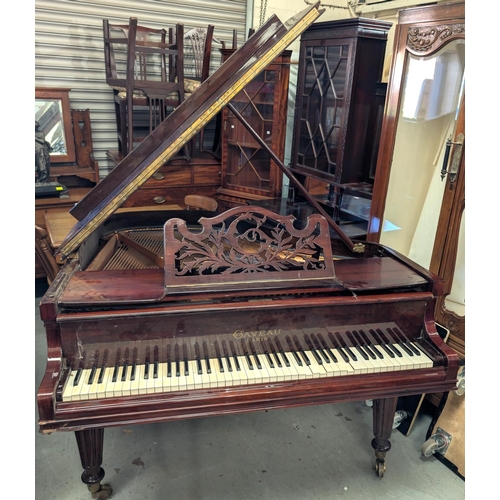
(319, 452)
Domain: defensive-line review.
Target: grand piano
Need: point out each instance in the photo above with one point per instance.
(160, 316)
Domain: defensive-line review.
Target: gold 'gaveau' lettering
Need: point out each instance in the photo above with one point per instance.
(241, 334)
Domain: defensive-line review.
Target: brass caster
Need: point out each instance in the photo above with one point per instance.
(380, 467)
(100, 491)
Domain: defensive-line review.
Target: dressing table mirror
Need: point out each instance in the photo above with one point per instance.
(52, 112)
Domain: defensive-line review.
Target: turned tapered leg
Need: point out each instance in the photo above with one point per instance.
(90, 445)
(383, 418)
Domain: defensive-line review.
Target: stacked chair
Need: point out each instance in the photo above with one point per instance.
(151, 71)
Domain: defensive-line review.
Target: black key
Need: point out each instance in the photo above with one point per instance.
(146, 370)
(292, 350)
(319, 348)
(345, 347)
(249, 361)
(235, 356)
(301, 350)
(366, 344)
(185, 359)
(221, 366)
(282, 352)
(357, 345)
(92, 375)
(257, 361)
(226, 355)
(274, 353)
(115, 374)
(77, 377)
(169, 367)
(132, 373)
(255, 357)
(207, 359)
(101, 374)
(218, 356)
(400, 341)
(313, 349)
(155, 369)
(177, 367)
(381, 343)
(326, 349)
(269, 360)
(124, 373)
(389, 343)
(197, 357)
(406, 342)
(337, 346)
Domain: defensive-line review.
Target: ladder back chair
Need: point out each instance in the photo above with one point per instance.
(151, 81)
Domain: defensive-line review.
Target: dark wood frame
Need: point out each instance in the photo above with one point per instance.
(63, 95)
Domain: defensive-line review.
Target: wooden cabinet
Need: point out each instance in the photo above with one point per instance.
(418, 201)
(248, 173)
(339, 106)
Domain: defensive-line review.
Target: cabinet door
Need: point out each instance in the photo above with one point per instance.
(418, 200)
(248, 166)
(319, 130)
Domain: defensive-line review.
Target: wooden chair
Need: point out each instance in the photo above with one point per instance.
(200, 202)
(146, 72)
(198, 54)
(44, 253)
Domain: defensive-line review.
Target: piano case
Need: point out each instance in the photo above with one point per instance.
(160, 316)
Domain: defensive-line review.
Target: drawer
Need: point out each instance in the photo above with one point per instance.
(150, 197)
(184, 175)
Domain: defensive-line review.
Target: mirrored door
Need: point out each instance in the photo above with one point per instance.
(419, 193)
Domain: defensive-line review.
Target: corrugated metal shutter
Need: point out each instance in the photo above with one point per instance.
(69, 50)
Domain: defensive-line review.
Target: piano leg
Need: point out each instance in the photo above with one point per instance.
(90, 445)
(383, 418)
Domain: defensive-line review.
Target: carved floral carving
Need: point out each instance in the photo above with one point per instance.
(427, 39)
(247, 245)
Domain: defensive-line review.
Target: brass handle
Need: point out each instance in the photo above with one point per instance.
(158, 176)
(159, 199)
(455, 160)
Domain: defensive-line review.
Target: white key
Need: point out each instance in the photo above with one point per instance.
(68, 386)
(290, 370)
(158, 381)
(134, 384)
(275, 374)
(166, 381)
(301, 370)
(316, 368)
(127, 383)
(264, 371)
(84, 392)
(239, 376)
(344, 367)
(249, 375)
(195, 379)
(425, 362)
(103, 390)
(94, 387)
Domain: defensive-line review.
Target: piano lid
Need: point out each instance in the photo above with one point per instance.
(183, 123)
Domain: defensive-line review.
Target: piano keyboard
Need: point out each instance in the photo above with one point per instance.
(308, 356)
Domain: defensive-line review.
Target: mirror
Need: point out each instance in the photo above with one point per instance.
(431, 97)
(52, 112)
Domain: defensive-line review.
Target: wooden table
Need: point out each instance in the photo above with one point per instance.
(59, 224)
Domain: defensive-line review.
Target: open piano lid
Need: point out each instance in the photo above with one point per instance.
(183, 123)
